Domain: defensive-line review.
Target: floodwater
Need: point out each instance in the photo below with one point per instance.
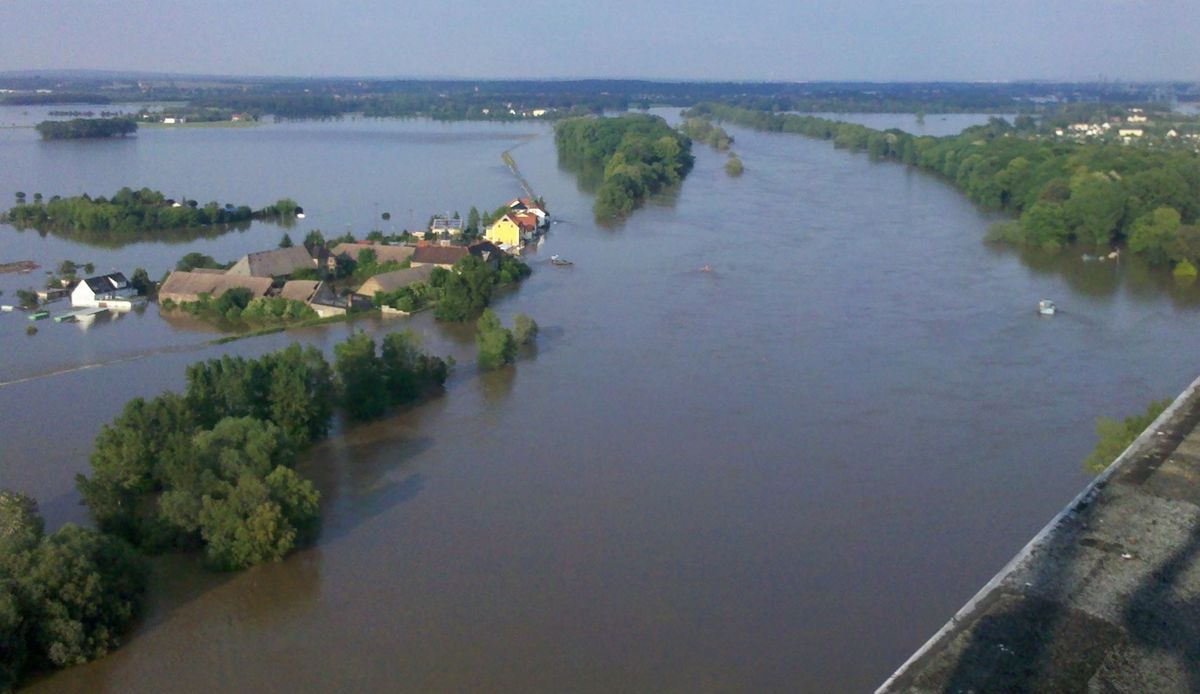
(780, 475)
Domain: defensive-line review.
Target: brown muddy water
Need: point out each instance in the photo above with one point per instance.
(781, 475)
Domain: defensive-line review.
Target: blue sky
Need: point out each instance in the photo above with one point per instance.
(660, 39)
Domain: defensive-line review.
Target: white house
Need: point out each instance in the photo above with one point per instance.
(106, 291)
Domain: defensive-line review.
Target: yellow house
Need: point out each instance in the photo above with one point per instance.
(505, 232)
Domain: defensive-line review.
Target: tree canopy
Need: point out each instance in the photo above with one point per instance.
(638, 155)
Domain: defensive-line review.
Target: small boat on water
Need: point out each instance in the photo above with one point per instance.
(39, 315)
(1046, 307)
(559, 260)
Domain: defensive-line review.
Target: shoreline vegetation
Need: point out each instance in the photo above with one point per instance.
(704, 130)
(1101, 196)
(631, 155)
(131, 216)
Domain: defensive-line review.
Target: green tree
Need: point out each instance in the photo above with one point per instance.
(360, 374)
(140, 280)
(1045, 225)
(525, 329)
(83, 589)
(1095, 208)
(1152, 235)
(733, 165)
(286, 241)
(314, 239)
(495, 343)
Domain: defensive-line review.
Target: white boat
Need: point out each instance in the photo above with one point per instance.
(556, 260)
(1046, 307)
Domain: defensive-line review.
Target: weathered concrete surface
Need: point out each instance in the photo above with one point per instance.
(1106, 598)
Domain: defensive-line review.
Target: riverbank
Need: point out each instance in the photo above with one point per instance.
(1102, 598)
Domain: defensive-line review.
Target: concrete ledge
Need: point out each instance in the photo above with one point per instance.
(1077, 607)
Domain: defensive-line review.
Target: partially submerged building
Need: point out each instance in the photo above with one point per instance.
(389, 282)
(274, 263)
(106, 291)
(183, 287)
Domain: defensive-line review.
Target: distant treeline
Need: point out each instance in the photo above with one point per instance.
(136, 215)
(930, 97)
(466, 106)
(1102, 194)
(639, 155)
(53, 98)
(79, 128)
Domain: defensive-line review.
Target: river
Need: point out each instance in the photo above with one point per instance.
(780, 475)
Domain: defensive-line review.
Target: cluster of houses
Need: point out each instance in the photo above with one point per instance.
(525, 220)
(1128, 130)
(262, 272)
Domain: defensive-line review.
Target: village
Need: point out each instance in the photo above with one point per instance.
(1135, 127)
(313, 275)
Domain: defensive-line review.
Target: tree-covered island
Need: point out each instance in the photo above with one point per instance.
(81, 128)
(637, 154)
(131, 215)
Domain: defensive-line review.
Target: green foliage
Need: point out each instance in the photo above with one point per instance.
(639, 155)
(80, 128)
(139, 280)
(370, 383)
(707, 132)
(27, 298)
(286, 241)
(1185, 271)
(239, 494)
(494, 342)
(733, 165)
(525, 329)
(1153, 235)
(1114, 436)
(155, 465)
(65, 598)
(194, 260)
(360, 374)
(82, 590)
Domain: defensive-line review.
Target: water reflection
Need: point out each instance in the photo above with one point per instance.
(1103, 277)
(496, 385)
(114, 239)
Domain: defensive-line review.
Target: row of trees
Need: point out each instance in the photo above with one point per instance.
(80, 128)
(212, 469)
(239, 306)
(138, 214)
(460, 293)
(1063, 192)
(638, 154)
(65, 598)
